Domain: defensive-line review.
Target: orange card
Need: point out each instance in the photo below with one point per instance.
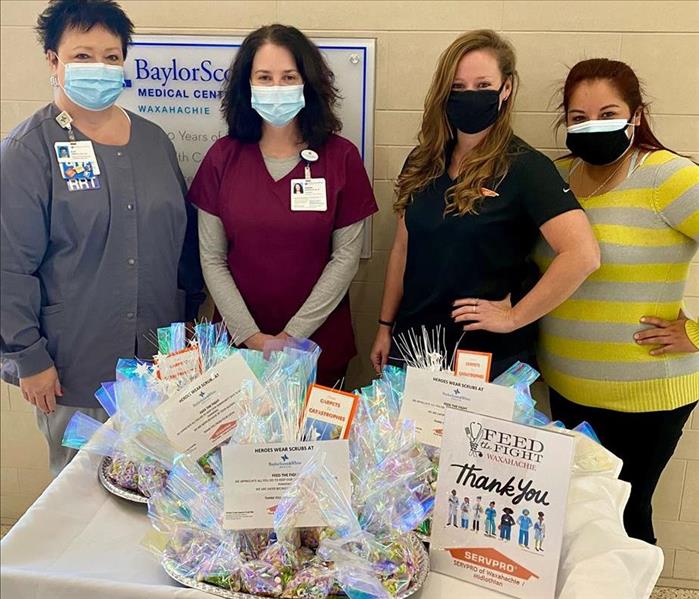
(473, 364)
(328, 414)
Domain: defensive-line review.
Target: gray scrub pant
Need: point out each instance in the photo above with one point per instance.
(54, 425)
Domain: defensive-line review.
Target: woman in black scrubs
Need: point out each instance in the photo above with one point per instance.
(472, 198)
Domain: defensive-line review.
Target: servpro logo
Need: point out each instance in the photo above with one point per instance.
(491, 559)
(223, 428)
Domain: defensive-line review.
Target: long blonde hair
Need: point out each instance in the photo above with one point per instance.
(489, 160)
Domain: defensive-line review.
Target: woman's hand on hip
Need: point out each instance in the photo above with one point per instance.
(496, 317)
(41, 389)
(670, 335)
(381, 348)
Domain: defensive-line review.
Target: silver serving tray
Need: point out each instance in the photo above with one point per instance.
(423, 537)
(423, 563)
(114, 489)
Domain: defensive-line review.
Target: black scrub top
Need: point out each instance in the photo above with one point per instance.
(483, 255)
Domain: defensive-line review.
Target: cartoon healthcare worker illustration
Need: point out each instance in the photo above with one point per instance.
(465, 511)
(539, 532)
(525, 523)
(506, 523)
(490, 514)
(453, 509)
(477, 512)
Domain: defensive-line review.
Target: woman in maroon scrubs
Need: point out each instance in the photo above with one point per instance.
(278, 261)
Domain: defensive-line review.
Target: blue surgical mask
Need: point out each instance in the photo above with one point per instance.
(277, 104)
(93, 85)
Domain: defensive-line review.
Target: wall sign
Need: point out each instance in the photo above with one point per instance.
(176, 81)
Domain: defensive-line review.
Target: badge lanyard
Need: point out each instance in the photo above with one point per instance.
(309, 156)
(64, 120)
(76, 159)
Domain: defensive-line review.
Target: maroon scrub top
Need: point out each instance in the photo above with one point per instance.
(276, 256)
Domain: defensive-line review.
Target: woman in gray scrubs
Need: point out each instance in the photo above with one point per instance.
(98, 248)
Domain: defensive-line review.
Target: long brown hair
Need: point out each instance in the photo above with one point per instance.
(622, 77)
(489, 160)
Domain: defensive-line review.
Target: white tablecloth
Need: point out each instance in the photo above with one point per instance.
(79, 542)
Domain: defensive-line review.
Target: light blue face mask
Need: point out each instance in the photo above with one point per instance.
(93, 85)
(277, 104)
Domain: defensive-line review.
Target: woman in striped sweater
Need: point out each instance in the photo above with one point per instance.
(620, 353)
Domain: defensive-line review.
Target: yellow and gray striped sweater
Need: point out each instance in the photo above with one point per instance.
(648, 231)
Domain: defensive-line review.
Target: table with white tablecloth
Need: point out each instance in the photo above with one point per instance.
(79, 542)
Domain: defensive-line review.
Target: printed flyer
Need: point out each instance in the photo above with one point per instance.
(501, 502)
(427, 394)
(204, 413)
(257, 476)
(328, 414)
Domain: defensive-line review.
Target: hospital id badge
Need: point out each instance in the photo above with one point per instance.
(73, 171)
(76, 152)
(308, 195)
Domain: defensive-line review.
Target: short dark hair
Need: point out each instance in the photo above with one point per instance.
(82, 15)
(317, 120)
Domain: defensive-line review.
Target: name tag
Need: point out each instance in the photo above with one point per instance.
(308, 195)
(76, 153)
(83, 184)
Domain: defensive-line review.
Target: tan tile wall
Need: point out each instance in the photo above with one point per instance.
(23, 470)
(658, 38)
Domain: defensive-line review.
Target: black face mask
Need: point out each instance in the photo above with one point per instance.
(599, 147)
(473, 111)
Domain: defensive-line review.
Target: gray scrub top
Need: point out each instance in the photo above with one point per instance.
(87, 276)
